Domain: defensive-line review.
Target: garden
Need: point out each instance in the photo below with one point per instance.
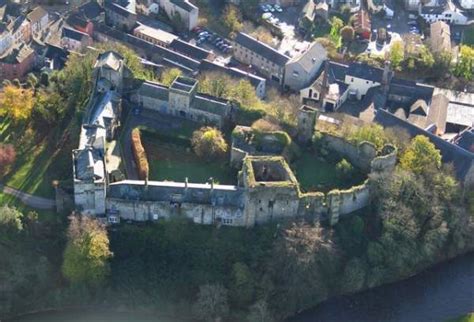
(173, 159)
(319, 174)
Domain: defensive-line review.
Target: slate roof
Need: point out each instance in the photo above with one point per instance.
(76, 19)
(91, 10)
(118, 9)
(167, 55)
(410, 91)
(184, 4)
(461, 159)
(432, 10)
(261, 49)
(337, 72)
(210, 104)
(189, 50)
(73, 34)
(154, 90)
(89, 164)
(315, 53)
(219, 195)
(466, 139)
(366, 72)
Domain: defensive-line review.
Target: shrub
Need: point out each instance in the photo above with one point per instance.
(265, 125)
(344, 168)
(208, 143)
(140, 155)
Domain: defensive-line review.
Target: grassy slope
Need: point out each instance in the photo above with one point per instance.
(468, 36)
(39, 162)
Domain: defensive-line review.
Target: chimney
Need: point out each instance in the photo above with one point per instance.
(186, 183)
(212, 184)
(387, 73)
(146, 182)
(322, 95)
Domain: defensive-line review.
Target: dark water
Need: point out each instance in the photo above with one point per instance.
(443, 292)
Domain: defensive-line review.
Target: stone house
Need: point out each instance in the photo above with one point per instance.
(17, 62)
(440, 37)
(39, 20)
(188, 12)
(120, 17)
(268, 61)
(302, 69)
(181, 99)
(74, 40)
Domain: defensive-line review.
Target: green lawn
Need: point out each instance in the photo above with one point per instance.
(468, 36)
(174, 162)
(315, 174)
(45, 215)
(39, 161)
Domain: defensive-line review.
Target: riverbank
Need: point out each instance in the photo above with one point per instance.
(443, 292)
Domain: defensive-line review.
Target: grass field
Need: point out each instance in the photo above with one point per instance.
(173, 162)
(315, 174)
(38, 161)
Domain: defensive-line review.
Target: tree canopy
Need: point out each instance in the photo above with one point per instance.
(465, 65)
(87, 254)
(420, 155)
(208, 143)
(16, 103)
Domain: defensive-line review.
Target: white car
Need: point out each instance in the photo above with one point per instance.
(278, 8)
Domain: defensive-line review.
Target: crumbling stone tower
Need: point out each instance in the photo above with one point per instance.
(272, 191)
(307, 117)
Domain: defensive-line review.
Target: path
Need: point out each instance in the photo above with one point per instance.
(28, 199)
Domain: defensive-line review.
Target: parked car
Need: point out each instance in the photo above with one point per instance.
(278, 8)
(270, 8)
(264, 8)
(412, 23)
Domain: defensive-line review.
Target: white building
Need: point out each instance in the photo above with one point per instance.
(447, 13)
(467, 4)
(301, 70)
(187, 12)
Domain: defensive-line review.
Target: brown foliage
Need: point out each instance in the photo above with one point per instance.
(266, 125)
(7, 157)
(140, 155)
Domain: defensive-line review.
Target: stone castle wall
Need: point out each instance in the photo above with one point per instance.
(139, 210)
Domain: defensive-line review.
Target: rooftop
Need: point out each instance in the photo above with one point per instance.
(366, 72)
(36, 14)
(155, 33)
(261, 49)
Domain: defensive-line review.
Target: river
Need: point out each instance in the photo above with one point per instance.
(443, 292)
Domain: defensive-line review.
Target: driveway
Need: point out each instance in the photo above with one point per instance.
(28, 199)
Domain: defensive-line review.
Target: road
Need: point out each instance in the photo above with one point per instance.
(28, 199)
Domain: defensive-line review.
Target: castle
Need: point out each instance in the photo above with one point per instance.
(266, 190)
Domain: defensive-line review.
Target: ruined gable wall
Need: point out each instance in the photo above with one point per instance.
(361, 155)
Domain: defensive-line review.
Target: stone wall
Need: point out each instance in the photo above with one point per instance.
(138, 210)
(359, 155)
